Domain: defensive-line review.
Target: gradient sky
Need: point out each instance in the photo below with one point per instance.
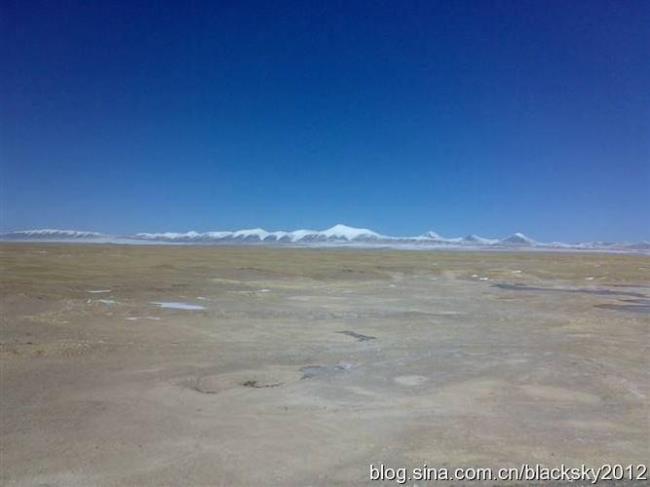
(459, 117)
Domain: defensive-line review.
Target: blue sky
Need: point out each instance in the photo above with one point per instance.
(459, 117)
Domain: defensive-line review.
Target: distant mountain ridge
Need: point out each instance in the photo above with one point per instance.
(338, 235)
(47, 233)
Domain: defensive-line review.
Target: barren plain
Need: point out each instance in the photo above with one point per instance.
(216, 366)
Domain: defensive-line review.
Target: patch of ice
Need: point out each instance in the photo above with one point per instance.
(177, 305)
(97, 291)
(132, 318)
(590, 278)
(265, 290)
(516, 272)
(202, 298)
(483, 278)
(107, 301)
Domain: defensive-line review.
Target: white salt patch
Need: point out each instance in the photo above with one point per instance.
(589, 278)
(107, 301)
(175, 305)
(265, 290)
(483, 278)
(132, 318)
(516, 272)
(202, 298)
(96, 291)
(156, 318)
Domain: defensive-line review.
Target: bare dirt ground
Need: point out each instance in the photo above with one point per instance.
(306, 366)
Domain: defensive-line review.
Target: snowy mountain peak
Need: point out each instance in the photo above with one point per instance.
(344, 232)
(249, 233)
(432, 235)
(518, 239)
(473, 238)
(51, 233)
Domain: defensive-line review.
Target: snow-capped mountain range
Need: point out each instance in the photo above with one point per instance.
(50, 233)
(338, 235)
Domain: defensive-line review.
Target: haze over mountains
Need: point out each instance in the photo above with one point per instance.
(338, 235)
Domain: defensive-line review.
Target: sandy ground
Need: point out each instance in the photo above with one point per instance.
(306, 366)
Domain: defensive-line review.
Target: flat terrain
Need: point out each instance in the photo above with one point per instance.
(303, 367)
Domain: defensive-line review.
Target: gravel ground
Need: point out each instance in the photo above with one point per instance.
(213, 366)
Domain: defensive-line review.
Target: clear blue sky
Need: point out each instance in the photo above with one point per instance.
(483, 117)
